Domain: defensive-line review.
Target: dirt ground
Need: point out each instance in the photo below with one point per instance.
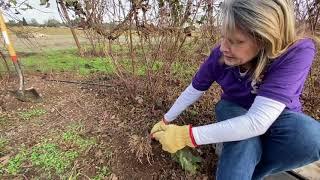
(120, 126)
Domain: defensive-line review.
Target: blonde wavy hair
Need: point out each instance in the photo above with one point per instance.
(270, 22)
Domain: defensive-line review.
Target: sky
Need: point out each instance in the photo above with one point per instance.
(40, 13)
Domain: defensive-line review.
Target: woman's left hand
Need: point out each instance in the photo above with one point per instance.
(174, 138)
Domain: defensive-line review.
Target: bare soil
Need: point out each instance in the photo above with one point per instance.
(120, 125)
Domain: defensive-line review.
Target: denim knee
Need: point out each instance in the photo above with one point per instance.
(225, 110)
(316, 140)
(220, 106)
(311, 128)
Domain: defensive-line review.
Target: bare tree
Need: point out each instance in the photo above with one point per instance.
(62, 7)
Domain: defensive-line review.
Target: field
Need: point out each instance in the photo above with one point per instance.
(88, 127)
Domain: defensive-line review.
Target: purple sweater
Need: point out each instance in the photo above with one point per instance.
(283, 79)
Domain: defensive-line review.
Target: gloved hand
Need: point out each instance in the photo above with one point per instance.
(174, 138)
(159, 126)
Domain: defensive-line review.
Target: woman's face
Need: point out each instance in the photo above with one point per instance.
(239, 48)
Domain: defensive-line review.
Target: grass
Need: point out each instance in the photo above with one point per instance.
(3, 120)
(48, 156)
(3, 143)
(15, 163)
(69, 61)
(73, 137)
(26, 115)
(183, 71)
(66, 60)
(53, 156)
(102, 173)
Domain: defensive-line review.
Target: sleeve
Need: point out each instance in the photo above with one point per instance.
(285, 81)
(209, 71)
(256, 121)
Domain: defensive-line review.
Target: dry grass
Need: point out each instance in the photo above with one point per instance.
(141, 147)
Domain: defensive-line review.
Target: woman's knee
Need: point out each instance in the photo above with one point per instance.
(305, 133)
(219, 108)
(311, 130)
(225, 110)
(314, 138)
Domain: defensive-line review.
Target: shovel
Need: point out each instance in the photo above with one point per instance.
(22, 94)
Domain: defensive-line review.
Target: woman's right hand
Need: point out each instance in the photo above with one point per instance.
(159, 126)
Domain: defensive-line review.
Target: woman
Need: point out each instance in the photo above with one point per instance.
(261, 65)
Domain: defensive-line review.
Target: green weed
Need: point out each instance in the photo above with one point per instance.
(49, 157)
(26, 115)
(102, 173)
(187, 160)
(72, 136)
(14, 164)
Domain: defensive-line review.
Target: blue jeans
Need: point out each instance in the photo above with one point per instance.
(292, 141)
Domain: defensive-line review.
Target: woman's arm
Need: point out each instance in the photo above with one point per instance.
(209, 71)
(263, 112)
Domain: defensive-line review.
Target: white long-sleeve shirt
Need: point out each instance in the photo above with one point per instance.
(263, 112)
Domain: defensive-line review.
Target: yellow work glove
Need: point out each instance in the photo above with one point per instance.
(174, 138)
(158, 127)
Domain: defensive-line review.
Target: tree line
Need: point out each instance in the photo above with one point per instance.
(33, 22)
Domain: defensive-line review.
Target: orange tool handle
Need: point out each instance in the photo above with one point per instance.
(4, 31)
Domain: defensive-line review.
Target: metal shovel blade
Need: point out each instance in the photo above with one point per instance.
(27, 95)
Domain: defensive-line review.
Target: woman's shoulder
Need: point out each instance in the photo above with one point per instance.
(301, 52)
(301, 44)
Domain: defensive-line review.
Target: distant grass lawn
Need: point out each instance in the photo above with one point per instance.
(66, 60)
(69, 61)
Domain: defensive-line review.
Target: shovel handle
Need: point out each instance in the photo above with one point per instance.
(6, 38)
(12, 52)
